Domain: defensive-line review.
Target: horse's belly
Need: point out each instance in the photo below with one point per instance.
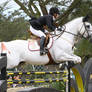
(37, 59)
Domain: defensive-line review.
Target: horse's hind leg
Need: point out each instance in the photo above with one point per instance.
(12, 62)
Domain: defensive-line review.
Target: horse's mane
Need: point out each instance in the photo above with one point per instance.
(74, 20)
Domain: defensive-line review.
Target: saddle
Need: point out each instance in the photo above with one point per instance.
(34, 45)
(46, 41)
(34, 41)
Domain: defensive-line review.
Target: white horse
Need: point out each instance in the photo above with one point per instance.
(60, 48)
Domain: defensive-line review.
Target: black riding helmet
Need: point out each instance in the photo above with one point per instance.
(54, 10)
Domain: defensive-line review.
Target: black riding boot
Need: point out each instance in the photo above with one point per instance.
(42, 42)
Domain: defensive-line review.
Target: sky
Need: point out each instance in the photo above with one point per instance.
(12, 5)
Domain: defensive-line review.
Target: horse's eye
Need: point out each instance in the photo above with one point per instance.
(87, 26)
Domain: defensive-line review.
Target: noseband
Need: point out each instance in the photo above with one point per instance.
(86, 30)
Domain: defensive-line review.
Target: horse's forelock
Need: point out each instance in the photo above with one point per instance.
(86, 18)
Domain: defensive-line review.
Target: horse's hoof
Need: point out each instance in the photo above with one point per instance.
(78, 60)
(62, 66)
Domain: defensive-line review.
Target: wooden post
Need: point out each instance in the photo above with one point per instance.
(3, 79)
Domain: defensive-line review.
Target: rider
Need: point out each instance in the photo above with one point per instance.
(37, 26)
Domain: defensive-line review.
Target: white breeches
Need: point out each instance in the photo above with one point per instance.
(38, 33)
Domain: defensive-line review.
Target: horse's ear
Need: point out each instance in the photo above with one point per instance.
(86, 18)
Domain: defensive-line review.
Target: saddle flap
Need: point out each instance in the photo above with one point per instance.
(34, 44)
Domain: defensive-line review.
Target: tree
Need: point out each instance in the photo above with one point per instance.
(84, 48)
(84, 8)
(30, 7)
(12, 27)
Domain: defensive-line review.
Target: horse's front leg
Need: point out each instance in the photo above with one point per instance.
(63, 56)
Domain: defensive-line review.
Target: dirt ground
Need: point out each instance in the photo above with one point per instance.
(20, 88)
(14, 89)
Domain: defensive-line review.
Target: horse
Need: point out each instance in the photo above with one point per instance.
(60, 47)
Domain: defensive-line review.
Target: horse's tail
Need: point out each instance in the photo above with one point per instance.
(4, 48)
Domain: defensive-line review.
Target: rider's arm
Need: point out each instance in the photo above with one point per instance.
(50, 23)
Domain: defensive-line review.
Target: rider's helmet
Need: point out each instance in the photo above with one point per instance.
(54, 10)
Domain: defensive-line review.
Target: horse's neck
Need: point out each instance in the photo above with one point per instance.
(69, 35)
(72, 29)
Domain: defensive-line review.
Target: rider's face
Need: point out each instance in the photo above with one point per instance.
(56, 15)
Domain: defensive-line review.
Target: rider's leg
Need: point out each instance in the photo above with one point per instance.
(40, 34)
(43, 48)
(42, 42)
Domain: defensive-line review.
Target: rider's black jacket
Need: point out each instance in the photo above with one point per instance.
(46, 20)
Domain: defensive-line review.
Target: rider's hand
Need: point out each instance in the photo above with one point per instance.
(46, 31)
(59, 29)
(56, 30)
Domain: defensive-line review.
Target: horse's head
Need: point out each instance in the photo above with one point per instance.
(85, 29)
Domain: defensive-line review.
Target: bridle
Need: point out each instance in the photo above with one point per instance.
(77, 35)
(86, 30)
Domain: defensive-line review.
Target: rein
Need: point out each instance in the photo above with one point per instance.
(77, 35)
(61, 32)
